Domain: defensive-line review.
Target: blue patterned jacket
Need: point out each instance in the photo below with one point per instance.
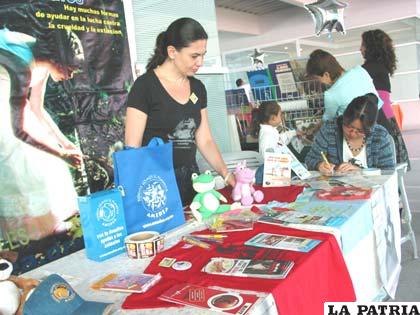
(380, 151)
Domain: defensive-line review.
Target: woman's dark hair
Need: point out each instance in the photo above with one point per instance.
(180, 34)
(364, 108)
(239, 82)
(379, 47)
(320, 62)
(60, 46)
(262, 115)
(12, 12)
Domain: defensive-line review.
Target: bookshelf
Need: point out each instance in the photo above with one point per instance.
(302, 104)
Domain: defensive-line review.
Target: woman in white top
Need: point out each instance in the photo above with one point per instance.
(266, 119)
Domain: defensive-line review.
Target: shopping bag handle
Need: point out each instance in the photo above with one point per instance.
(155, 141)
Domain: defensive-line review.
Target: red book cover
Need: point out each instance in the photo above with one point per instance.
(344, 193)
(232, 225)
(208, 298)
(258, 268)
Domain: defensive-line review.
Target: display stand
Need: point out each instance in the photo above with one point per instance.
(302, 104)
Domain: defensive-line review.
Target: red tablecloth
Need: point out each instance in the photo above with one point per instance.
(282, 194)
(317, 277)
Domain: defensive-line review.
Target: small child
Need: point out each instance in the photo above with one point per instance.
(265, 121)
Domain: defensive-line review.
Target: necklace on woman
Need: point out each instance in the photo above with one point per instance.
(176, 80)
(356, 150)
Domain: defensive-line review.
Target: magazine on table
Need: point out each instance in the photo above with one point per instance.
(226, 301)
(358, 179)
(232, 221)
(295, 217)
(278, 241)
(272, 269)
(326, 182)
(126, 282)
(344, 193)
(277, 169)
(231, 225)
(274, 206)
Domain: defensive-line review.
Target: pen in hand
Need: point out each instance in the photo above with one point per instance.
(324, 157)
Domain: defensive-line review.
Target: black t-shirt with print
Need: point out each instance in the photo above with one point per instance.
(171, 121)
(168, 119)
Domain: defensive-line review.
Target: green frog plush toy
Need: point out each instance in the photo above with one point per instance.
(207, 200)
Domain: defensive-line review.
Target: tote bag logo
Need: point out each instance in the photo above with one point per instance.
(153, 195)
(107, 212)
(62, 292)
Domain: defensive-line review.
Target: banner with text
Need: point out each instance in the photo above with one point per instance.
(65, 72)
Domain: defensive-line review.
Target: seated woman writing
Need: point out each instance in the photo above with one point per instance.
(353, 140)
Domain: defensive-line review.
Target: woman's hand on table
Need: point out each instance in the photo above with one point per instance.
(326, 168)
(347, 167)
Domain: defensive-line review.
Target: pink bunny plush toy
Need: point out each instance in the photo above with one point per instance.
(244, 190)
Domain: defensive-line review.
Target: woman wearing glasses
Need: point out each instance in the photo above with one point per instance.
(353, 140)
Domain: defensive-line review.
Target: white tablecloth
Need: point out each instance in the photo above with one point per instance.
(368, 262)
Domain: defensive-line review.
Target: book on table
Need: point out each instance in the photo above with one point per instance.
(222, 300)
(271, 269)
(295, 217)
(133, 283)
(278, 241)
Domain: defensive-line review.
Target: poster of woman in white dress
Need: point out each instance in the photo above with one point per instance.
(47, 76)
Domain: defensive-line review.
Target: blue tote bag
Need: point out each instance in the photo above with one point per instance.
(103, 224)
(147, 181)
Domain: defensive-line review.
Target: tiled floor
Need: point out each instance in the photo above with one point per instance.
(412, 178)
(409, 285)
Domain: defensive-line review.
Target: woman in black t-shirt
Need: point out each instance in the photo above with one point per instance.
(380, 62)
(168, 102)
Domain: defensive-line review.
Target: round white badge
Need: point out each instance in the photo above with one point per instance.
(182, 265)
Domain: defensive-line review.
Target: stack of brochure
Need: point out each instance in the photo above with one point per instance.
(219, 300)
(272, 269)
(277, 241)
(295, 217)
(134, 283)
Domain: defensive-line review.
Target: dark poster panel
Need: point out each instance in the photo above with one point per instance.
(64, 76)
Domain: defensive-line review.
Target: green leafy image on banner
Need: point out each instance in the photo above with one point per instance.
(65, 71)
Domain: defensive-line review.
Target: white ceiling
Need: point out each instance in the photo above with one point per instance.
(256, 7)
(401, 31)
